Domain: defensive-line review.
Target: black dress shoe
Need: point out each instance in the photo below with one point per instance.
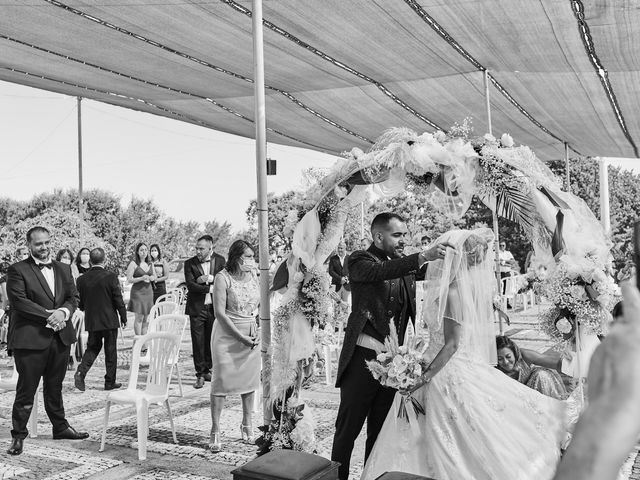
(78, 379)
(16, 446)
(207, 377)
(70, 434)
(199, 382)
(112, 386)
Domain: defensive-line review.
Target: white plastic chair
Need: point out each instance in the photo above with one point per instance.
(179, 293)
(168, 297)
(510, 287)
(163, 308)
(174, 323)
(163, 347)
(181, 296)
(9, 385)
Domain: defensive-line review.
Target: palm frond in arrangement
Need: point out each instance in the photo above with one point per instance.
(516, 205)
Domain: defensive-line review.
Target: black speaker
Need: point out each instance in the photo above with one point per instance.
(271, 166)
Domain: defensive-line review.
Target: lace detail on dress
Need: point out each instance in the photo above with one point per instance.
(243, 298)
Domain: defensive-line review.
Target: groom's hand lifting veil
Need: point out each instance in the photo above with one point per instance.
(435, 252)
(609, 427)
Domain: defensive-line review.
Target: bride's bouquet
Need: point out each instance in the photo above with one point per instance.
(401, 366)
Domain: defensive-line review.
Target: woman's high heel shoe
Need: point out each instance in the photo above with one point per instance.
(215, 445)
(246, 431)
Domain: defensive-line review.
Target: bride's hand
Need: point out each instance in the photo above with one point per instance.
(409, 391)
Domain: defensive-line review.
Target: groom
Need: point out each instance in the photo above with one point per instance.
(383, 287)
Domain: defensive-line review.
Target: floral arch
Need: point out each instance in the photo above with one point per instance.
(452, 167)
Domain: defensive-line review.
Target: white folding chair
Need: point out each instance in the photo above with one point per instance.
(168, 297)
(174, 323)
(9, 385)
(163, 347)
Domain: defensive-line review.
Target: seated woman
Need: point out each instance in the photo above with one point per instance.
(519, 364)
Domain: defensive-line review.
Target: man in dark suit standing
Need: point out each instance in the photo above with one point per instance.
(102, 303)
(43, 298)
(339, 271)
(383, 288)
(199, 272)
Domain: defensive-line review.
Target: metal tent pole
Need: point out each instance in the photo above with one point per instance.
(263, 232)
(487, 99)
(80, 192)
(604, 195)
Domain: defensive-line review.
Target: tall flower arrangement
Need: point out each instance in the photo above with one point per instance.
(583, 294)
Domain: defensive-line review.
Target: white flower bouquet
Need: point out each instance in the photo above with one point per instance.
(401, 367)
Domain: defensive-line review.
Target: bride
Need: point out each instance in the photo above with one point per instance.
(479, 424)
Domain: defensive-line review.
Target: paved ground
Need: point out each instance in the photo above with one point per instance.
(45, 458)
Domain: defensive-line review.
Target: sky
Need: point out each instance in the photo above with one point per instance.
(191, 172)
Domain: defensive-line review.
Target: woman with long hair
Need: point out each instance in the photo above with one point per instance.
(161, 270)
(140, 274)
(235, 358)
(535, 370)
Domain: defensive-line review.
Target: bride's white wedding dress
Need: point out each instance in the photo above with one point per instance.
(479, 424)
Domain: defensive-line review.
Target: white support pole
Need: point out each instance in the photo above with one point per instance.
(263, 218)
(80, 191)
(487, 99)
(567, 167)
(604, 195)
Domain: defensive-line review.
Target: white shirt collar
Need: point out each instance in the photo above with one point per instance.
(38, 262)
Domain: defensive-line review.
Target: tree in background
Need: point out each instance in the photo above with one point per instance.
(106, 224)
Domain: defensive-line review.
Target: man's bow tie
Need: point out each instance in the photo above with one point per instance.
(45, 265)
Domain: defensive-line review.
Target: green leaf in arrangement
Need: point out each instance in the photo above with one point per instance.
(516, 205)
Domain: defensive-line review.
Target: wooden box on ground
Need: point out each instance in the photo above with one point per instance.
(287, 465)
(401, 476)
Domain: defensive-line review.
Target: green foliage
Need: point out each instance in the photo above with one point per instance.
(107, 224)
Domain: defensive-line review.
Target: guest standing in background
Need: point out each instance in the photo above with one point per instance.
(140, 274)
(101, 300)
(161, 270)
(199, 274)
(82, 261)
(235, 358)
(43, 298)
(339, 272)
(66, 256)
(22, 253)
(4, 303)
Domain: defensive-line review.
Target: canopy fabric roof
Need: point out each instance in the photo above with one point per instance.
(339, 72)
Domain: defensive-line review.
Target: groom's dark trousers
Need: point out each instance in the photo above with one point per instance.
(382, 290)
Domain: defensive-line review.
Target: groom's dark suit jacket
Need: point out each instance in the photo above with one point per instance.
(30, 297)
(376, 284)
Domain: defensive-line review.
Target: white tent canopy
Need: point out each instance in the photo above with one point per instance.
(340, 72)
